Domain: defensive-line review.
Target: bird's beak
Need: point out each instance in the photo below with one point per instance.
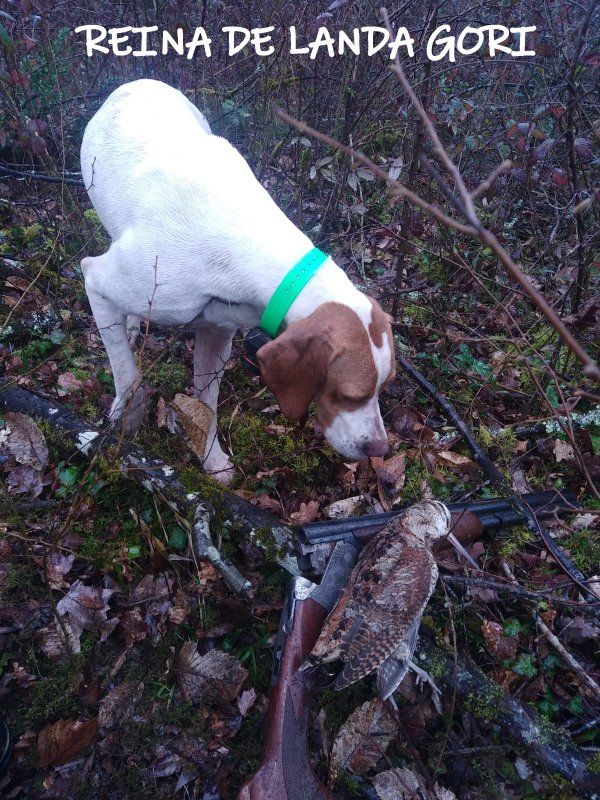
(461, 550)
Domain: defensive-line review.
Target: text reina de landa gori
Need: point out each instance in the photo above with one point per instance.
(148, 41)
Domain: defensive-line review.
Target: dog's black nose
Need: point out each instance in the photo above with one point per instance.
(378, 447)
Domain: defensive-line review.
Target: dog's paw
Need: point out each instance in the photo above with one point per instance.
(128, 412)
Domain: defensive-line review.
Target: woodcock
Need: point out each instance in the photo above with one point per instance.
(375, 623)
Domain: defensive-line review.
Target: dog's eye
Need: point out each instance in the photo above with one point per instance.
(351, 398)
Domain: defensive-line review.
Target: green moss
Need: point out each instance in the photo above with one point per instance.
(32, 233)
(53, 696)
(549, 732)
(252, 444)
(436, 666)
(505, 440)
(419, 314)
(483, 703)
(516, 540)
(584, 548)
(60, 445)
(196, 481)
(265, 539)
(594, 763)
(90, 409)
(170, 377)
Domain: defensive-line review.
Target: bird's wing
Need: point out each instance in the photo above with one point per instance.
(391, 673)
(390, 608)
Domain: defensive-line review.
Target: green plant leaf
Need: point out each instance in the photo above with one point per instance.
(524, 666)
(5, 39)
(178, 538)
(512, 627)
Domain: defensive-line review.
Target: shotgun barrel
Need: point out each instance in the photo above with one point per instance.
(314, 540)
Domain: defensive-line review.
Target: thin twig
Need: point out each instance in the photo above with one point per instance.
(566, 656)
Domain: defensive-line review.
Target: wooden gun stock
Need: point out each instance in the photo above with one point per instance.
(286, 771)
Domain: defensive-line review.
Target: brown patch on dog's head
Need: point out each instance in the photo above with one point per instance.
(325, 356)
(380, 326)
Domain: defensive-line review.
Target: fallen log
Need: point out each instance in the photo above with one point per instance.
(547, 744)
(156, 476)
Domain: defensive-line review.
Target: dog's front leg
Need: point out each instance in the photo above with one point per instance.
(212, 349)
(129, 400)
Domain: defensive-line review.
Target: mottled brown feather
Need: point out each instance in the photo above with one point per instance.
(387, 590)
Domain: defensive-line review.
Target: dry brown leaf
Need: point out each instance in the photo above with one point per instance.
(62, 741)
(22, 439)
(268, 503)
(23, 479)
(343, 508)
(308, 512)
(67, 383)
(133, 627)
(51, 640)
(500, 646)
(455, 458)
(391, 475)
(55, 566)
(196, 417)
(86, 608)
(363, 739)
(404, 784)
(213, 678)
(246, 700)
(563, 451)
(119, 704)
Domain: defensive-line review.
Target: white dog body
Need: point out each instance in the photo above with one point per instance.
(195, 237)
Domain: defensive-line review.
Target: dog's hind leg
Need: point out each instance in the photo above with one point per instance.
(129, 400)
(212, 349)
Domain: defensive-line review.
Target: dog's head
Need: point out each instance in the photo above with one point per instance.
(340, 358)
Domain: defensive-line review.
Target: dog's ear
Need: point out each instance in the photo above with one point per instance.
(294, 366)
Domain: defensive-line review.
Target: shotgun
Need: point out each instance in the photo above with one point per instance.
(331, 548)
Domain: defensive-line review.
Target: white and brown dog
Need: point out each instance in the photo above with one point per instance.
(195, 237)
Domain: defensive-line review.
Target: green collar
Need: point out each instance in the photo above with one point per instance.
(289, 289)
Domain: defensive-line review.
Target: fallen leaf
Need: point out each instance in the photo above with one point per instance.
(563, 451)
(133, 627)
(67, 383)
(581, 521)
(22, 439)
(62, 741)
(500, 646)
(246, 700)
(166, 416)
(55, 566)
(404, 784)
(119, 704)
(196, 417)
(343, 508)
(213, 678)
(50, 640)
(455, 458)
(23, 479)
(268, 503)
(391, 475)
(86, 608)
(578, 630)
(308, 512)
(363, 739)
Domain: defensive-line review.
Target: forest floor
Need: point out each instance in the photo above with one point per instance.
(99, 592)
